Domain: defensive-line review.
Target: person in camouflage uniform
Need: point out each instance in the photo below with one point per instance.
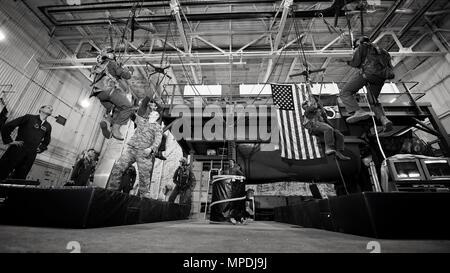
(141, 148)
(316, 121)
(184, 181)
(106, 87)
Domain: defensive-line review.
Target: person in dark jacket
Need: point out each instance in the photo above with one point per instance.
(33, 137)
(128, 180)
(373, 83)
(84, 168)
(184, 181)
(233, 168)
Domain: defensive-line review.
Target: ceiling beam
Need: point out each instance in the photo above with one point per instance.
(244, 55)
(419, 15)
(176, 9)
(387, 17)
(286, 6)
(327, 12)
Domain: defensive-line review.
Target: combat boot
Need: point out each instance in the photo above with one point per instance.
(358, 116)
(329, 151)
(105, 131)
(387, 124)
(341, 156)
(115, 132)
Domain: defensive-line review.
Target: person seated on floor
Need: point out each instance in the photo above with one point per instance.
(315, 120)
(243, 209)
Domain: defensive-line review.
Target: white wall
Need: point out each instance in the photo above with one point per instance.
(26, 42)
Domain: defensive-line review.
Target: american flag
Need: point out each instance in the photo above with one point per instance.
(295, 141)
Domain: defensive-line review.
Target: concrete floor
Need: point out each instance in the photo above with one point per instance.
(200, 236)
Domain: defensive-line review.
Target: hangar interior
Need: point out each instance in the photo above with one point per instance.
(219, 54)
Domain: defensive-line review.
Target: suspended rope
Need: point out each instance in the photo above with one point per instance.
(129, 24)
(160, 70)
(301, 51)
(365, 90)
(188, 78)
(330, 27)
(272, 68)
(342, 176)
(349, 24)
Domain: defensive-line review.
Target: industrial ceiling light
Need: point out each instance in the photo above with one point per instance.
(85, 103)
(2, 36)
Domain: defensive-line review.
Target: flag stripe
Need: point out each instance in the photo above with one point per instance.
(282, 144)
(307, 134)
(294, 133)
(295, 140)
(287, 135)
(297, 105)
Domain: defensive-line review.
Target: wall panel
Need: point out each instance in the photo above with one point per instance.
(28, 88)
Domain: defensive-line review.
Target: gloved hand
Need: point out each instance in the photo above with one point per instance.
(41, 149)
(18, 143)
(149, 151)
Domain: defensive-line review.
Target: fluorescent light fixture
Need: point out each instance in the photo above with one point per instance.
(2, 36)
(254, 89)
(203, 90)
(434, 161)
(85, 103)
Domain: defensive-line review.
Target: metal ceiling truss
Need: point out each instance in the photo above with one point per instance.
(50, 11)
(242, 54)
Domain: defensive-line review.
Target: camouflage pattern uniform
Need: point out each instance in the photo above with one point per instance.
(106, 87)
(146, 135)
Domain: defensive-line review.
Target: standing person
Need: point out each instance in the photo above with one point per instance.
(141, 148)
(33, 137)
(233, 168)
(84, 168)
(184, 181)
(375, 67)
(317, 124)
(106, 87)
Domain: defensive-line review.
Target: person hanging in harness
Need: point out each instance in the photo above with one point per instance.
(106, 87)
(141, 148)
(315, 120)
(375, 67)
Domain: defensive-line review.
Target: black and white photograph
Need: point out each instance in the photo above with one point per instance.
(243, 128)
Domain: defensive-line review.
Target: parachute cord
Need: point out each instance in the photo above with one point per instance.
(342, 176)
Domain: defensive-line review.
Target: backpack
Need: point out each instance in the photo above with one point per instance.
(377, 65)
